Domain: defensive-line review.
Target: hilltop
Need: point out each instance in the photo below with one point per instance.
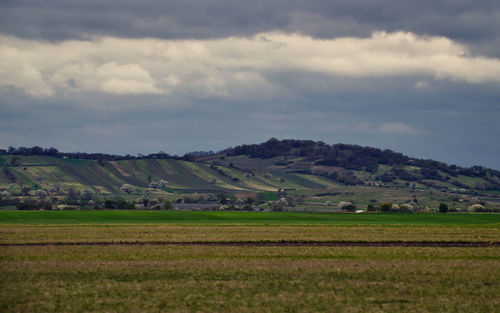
(385, 166)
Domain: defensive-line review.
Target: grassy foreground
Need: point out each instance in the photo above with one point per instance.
(79, 217)
(196, 278)
(248, 279)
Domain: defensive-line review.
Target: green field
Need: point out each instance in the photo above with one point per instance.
(77, 217)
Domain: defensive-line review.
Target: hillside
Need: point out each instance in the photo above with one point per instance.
(310, 170)
(46, 172)
(356, 165)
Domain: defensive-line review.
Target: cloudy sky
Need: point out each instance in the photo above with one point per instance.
(121, 76)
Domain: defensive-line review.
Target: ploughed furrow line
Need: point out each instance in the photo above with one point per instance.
(279, 243)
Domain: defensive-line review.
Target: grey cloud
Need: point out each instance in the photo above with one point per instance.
(472, 22)
(453, 122)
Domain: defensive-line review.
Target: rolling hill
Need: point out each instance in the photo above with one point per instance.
(338, 172)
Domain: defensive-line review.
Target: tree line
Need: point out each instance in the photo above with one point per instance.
(37, 150)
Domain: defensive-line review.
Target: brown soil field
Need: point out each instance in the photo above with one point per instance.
(13, 233)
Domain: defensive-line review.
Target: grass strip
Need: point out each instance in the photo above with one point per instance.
(79, 217)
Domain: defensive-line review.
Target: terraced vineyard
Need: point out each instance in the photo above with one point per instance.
(46, 172)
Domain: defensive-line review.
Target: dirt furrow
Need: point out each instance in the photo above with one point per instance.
(279, 243)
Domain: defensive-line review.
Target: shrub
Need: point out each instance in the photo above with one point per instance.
(385, 207)
(478, 208)
(406, 208)
(27, 204)
(395, 208)
(118, 205)
(443, 208)
(475, 208)
(167, 204)
(279, 205)
(126, 188)
(347, 206)
(42, 193)
(86, 194)
(154, 185)
(189, 199)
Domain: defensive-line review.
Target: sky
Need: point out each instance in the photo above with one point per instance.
(128, 77)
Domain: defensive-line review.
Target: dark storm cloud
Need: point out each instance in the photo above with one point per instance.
(472, 22)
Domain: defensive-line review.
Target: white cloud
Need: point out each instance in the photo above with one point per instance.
(421, 84)
(396, 128)
(123, 79)
(229, 67)
(387, 128)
